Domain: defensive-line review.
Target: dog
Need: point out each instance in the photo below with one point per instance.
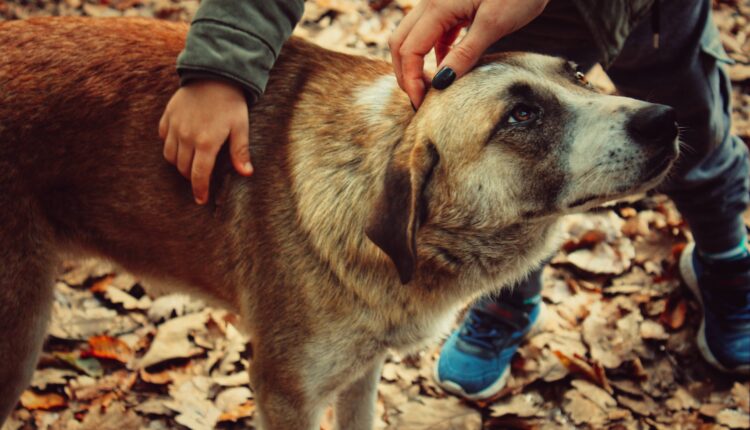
(365, 227)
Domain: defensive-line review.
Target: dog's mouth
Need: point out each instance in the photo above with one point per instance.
(655, 170)
(659, 165)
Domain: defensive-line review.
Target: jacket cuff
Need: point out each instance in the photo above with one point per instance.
(228, 52)
(190, 75)
(239, 40)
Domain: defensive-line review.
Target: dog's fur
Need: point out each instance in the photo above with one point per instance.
(364, 227)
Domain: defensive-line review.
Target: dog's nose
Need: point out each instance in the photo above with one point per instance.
(654, 124)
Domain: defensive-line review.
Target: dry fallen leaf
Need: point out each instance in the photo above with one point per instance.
(522, 405)
(741, 396)
(51, 376)
(109, 347)
(436, 414)
(238, 412)
(734, 419)
(604, 259)
(674, 316)
(44, 401)
(642, 406)
(172, 339)
(582, 410)
(190, 401)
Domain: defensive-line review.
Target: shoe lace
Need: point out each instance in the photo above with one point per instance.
(489, 331)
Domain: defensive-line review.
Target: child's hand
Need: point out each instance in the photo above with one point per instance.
(198, 119)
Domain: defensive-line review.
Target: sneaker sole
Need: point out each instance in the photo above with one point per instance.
(691, 280)
(456, 389)
(496, 386)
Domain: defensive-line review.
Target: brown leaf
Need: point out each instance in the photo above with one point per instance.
(115, 416)
(741, 396)
(733, 418)
(682, 399)
(523, 405)
(110, 348)
(587, 241)
(172, 339)
(236, 413)
(582, 410)
(674, 316)
(739, 72)
(51, 376)
(158, 378)
(101, 285)
(711, 409)
(644, 406)
(42, 401)
(604, 258)
(436, 414)
(593, 371)
(653, 330)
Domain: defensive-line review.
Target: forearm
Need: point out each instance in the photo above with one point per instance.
(238, 41)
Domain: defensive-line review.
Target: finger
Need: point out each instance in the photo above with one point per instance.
(170, 148)
(417, 44)
(184, 158)
(484, 31)
(163, 125)
(397, 39)
(239, 149)
(443, 45)
(200, 174)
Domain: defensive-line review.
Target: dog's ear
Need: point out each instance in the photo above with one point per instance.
(400, 208)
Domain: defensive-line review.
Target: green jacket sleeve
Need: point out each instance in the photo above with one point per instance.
(237, 41)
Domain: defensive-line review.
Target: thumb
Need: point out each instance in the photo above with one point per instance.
(462, 57)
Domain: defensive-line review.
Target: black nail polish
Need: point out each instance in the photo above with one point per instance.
(412, 106)
(443, 78)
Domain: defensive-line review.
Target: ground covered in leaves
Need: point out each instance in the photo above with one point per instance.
(615, 349)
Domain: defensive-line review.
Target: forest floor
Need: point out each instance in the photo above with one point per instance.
(616, 349)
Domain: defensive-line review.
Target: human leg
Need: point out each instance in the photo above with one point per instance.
(710, 185)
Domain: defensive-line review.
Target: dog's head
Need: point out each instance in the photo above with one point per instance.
(523, 136)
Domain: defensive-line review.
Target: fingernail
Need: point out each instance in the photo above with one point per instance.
(443, 78)
(412, 106)
(248, 168)
(199, 200)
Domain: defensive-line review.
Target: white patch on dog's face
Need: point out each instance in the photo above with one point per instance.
(527, 137)
(604, 160)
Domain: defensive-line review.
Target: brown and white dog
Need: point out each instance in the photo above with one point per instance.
(364, 228)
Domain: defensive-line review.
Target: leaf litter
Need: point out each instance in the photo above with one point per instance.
(615, 349)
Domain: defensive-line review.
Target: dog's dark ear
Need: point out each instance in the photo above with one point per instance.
(399, 208)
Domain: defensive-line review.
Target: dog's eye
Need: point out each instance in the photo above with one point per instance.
(520, 114)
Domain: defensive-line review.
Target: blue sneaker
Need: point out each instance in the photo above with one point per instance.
(724, 296)
(475, 360)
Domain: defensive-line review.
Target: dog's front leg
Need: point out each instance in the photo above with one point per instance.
(355, 406)
(286, 400)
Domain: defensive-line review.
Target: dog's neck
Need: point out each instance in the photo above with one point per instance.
(346, 115)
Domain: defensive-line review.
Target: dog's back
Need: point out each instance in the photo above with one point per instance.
(79, 147)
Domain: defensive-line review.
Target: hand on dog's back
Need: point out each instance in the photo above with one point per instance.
(198, 120)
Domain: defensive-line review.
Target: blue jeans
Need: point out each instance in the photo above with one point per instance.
(711, 187)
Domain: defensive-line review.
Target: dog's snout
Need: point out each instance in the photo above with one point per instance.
(654, 124)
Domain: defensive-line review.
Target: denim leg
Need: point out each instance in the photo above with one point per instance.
(710, 185)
